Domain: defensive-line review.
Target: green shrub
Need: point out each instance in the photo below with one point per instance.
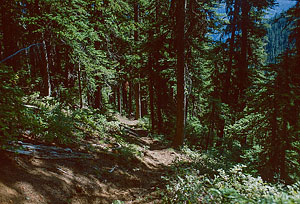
(195, 130)
(189, 185)
(55, 123)
(12, 111)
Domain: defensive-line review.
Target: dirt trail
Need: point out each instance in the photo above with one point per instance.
(106, 177)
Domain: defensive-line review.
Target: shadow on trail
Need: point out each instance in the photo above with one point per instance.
(102, 178)
(105, 178)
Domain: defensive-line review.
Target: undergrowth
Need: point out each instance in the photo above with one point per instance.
(50, 121)
(208, 179)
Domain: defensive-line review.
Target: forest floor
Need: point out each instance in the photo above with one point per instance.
(108, 175)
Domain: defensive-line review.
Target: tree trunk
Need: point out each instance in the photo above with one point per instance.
(231, 52)
(58, 67)
(138, 105)
(9, 33)
(151, 95)
(243, 79)
(114, 97)
(124, 95)
(97, 96)
(33, 63)
(180, 123)
(119, 99)
(79, 85)
(221, 134)
(46, 89)
(130, 98)
(151, 91)
(69, 81)
(159, 102)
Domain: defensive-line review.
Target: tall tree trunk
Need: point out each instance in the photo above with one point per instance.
(138, 105)
(119, 89)
(9, 35)
(125, 95)
(180, 123)
(50, 61)
(243, 71)
(220, 133)
(231, 53)
(150, 82)
(98, 97)
(34, 51)
(46, 89)
(113, 97)
(151, 95)
(243, 78)
(138, 85)
(144, 109)
(156, 78)
(130, 98)
(159, 102)
(282, 159)
(33, 63)
(79, 85)
(58, 66)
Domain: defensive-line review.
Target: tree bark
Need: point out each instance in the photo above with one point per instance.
(231, 53)
(113, 97)
(125, 95)
(243, 78)
(130, 98)
(150, 85)
(46, 89)
(159, 102)
(79, 85)
(9, 35)
(180, 123)
(98, 97)
(138, 105)
(119, 99)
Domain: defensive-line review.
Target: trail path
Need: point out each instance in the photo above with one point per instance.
(108, 175)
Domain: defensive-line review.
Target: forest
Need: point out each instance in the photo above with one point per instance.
(213, 85)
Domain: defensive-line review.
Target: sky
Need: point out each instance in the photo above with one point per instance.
(283, 5)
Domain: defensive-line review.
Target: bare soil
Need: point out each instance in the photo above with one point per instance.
(106, 177)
